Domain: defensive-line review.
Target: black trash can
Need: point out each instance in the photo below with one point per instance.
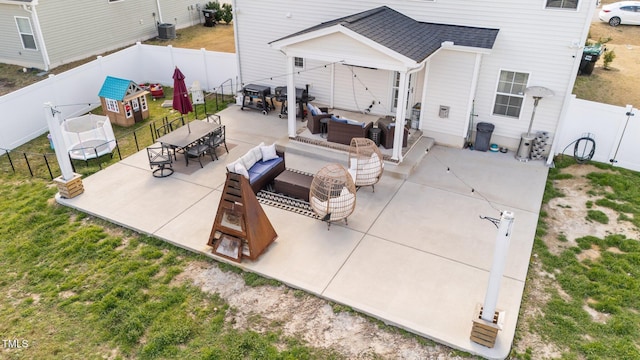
(590, 56)
(483, 136)
(209, 17)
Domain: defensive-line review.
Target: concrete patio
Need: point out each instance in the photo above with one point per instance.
(415, 254)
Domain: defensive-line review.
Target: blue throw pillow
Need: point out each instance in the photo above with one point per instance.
(354, 122)
(340, 120)
(312, 109)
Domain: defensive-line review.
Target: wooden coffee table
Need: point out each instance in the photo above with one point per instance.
(293, 184)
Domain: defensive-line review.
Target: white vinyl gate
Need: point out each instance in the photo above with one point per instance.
(615, 129)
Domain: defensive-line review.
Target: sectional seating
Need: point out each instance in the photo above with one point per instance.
(260, 165)
(315, 114)
(342, 130)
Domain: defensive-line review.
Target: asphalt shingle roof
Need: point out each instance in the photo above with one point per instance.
(406, 36)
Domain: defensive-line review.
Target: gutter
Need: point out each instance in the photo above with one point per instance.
(237, 44)
(159, 13)
(31, 9)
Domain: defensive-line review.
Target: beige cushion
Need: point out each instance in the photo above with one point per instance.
(256, 151)
(268, 152)
(240, 169)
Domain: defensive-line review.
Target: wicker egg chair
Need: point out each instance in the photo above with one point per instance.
(365, 162)
(332, 194)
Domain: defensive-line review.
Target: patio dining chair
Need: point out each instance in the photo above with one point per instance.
(213, 118)
(160, 158)
(217, 139)
(164, 130)
(198, 149)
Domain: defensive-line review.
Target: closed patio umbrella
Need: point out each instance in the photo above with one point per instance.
(181, 101)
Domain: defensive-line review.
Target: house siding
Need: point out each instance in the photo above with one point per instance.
(11, 50)
(75, 30)
(532, 39)
(449, 84)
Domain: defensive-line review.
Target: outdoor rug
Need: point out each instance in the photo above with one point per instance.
(268, 196)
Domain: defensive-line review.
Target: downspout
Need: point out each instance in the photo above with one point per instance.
(236, 38)
(159, 12)
(568, 93)
(39, 36)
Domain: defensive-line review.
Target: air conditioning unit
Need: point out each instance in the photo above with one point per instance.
(166, 31)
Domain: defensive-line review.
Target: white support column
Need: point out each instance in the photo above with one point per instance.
(401, 110)
(497, 267)
(58, 141)
(291, 98)
(332, 86)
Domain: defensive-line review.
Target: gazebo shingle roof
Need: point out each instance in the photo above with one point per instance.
(406, 36)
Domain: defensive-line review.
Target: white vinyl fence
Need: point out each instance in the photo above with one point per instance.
(615, 130)
(75, 92)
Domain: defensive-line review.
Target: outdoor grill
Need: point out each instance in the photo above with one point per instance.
(255, 97)
(302, 98)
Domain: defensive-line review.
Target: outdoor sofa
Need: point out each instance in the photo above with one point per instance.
(260, 165)
(341, 130)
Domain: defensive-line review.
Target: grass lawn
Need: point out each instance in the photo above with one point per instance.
(590, 307)
(78, 288)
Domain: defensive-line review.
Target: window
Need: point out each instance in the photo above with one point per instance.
(562, 4)
(298, 62)
(510, 93)
(112, 105)
(143, 102)
(26, 33)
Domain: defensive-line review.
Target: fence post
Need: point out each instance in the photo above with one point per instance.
(48, 167)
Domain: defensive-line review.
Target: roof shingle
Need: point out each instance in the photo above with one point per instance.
(406, 36)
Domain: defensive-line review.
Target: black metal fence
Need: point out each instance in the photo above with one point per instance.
(45, 165)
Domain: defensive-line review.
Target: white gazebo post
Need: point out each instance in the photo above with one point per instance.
(291, 98)
(400, 115)
(486, 325)
(69, 183)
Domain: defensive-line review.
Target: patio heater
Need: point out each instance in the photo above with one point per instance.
(526, 139)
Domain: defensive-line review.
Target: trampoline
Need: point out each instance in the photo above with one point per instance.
(88, 137)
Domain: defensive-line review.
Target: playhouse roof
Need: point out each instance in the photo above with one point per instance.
(119, 89)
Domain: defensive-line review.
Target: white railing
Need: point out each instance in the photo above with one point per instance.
(75, 92)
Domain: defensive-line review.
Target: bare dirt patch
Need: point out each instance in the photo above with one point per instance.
(567, 216)
(308, 318)
(566, 220)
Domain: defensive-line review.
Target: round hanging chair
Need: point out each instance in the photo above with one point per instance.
(332, 194)
(365, 162)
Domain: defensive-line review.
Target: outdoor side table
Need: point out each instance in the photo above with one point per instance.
(323, 127)
(374, 135)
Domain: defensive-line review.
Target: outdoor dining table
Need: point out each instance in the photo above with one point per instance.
(188, 134)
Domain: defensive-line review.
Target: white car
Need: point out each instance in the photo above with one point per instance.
(623, 12)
